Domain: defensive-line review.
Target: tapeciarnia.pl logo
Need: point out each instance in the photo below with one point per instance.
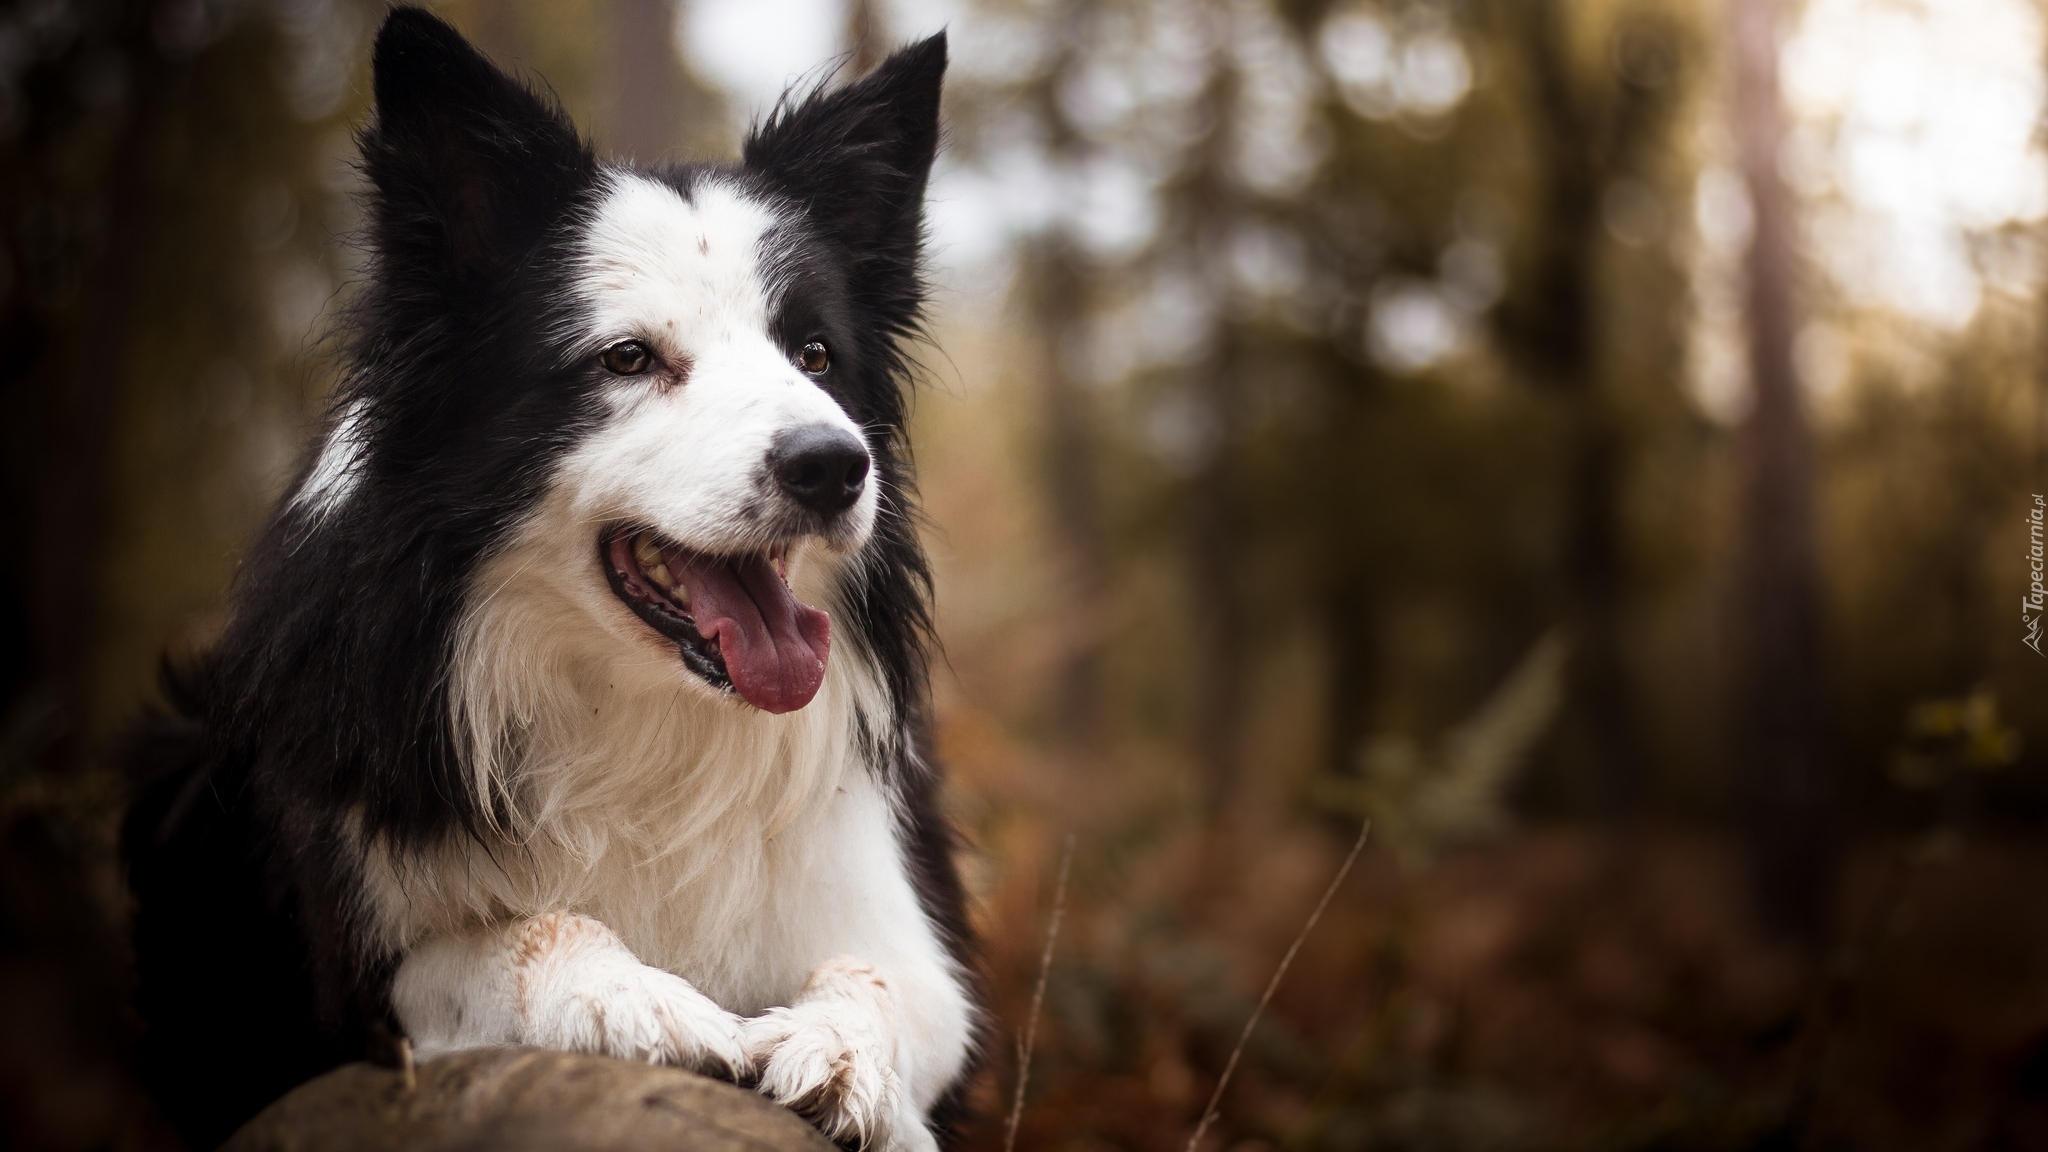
(2037, 596)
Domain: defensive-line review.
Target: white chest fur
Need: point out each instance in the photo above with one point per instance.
(736, 850)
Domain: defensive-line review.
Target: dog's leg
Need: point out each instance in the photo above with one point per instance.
(832, 1056)
(560, 981)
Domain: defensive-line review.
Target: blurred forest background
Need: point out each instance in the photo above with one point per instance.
(1594, 440)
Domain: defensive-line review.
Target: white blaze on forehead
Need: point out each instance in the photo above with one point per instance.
(695, 277)
(683, 273)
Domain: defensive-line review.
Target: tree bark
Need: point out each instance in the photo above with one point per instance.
(1778, 730)
(865, 38)
(1216, 538)
(647, 103)
(524, 1100)
(1553, 329)
(1217, 534)
(1057, 284)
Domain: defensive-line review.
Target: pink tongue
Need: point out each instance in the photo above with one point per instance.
(774, 645)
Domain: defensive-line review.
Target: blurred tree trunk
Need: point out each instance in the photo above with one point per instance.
(1554, 331)
(660, 104)
(1217, 538)
(68, 320)
(866, 38)
(1217, 534)
(1054, 276)
(500, 33)
(1056, 282)
(647, 103)
(140, 129)
(1351, 620)
(1778, 731)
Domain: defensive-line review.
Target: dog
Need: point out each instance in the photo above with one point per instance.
(574, 694)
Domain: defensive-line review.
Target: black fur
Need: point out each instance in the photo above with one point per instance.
(321, 717)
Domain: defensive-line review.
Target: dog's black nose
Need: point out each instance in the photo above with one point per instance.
(821, 467)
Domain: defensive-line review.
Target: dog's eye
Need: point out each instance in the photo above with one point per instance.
(814, 358)
(627, 358)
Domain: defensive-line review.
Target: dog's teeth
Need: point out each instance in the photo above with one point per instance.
(658, 572)
(645, 551)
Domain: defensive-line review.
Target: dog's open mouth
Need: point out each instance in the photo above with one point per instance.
(733, 618)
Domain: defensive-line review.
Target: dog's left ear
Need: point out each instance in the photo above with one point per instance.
(859, 157)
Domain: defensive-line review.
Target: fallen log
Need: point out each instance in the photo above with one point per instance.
(520, 1099)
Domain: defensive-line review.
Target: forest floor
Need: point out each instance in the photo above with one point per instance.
(1555, 988)
(1551, 989)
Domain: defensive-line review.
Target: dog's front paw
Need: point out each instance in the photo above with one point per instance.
(582, 990)
(811, 1064)
(831, 1058)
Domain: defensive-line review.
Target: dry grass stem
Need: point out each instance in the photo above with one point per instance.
(1209, 1112)
(1024, 1046)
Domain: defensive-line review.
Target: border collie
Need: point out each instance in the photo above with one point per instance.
(574, 694)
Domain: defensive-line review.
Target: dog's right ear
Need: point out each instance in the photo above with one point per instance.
(468, 168)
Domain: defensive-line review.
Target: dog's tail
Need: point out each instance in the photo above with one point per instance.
(222, 979)
(165, 750)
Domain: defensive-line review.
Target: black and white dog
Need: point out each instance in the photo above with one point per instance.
(573, 696)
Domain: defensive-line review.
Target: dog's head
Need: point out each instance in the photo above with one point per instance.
(677, 392)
